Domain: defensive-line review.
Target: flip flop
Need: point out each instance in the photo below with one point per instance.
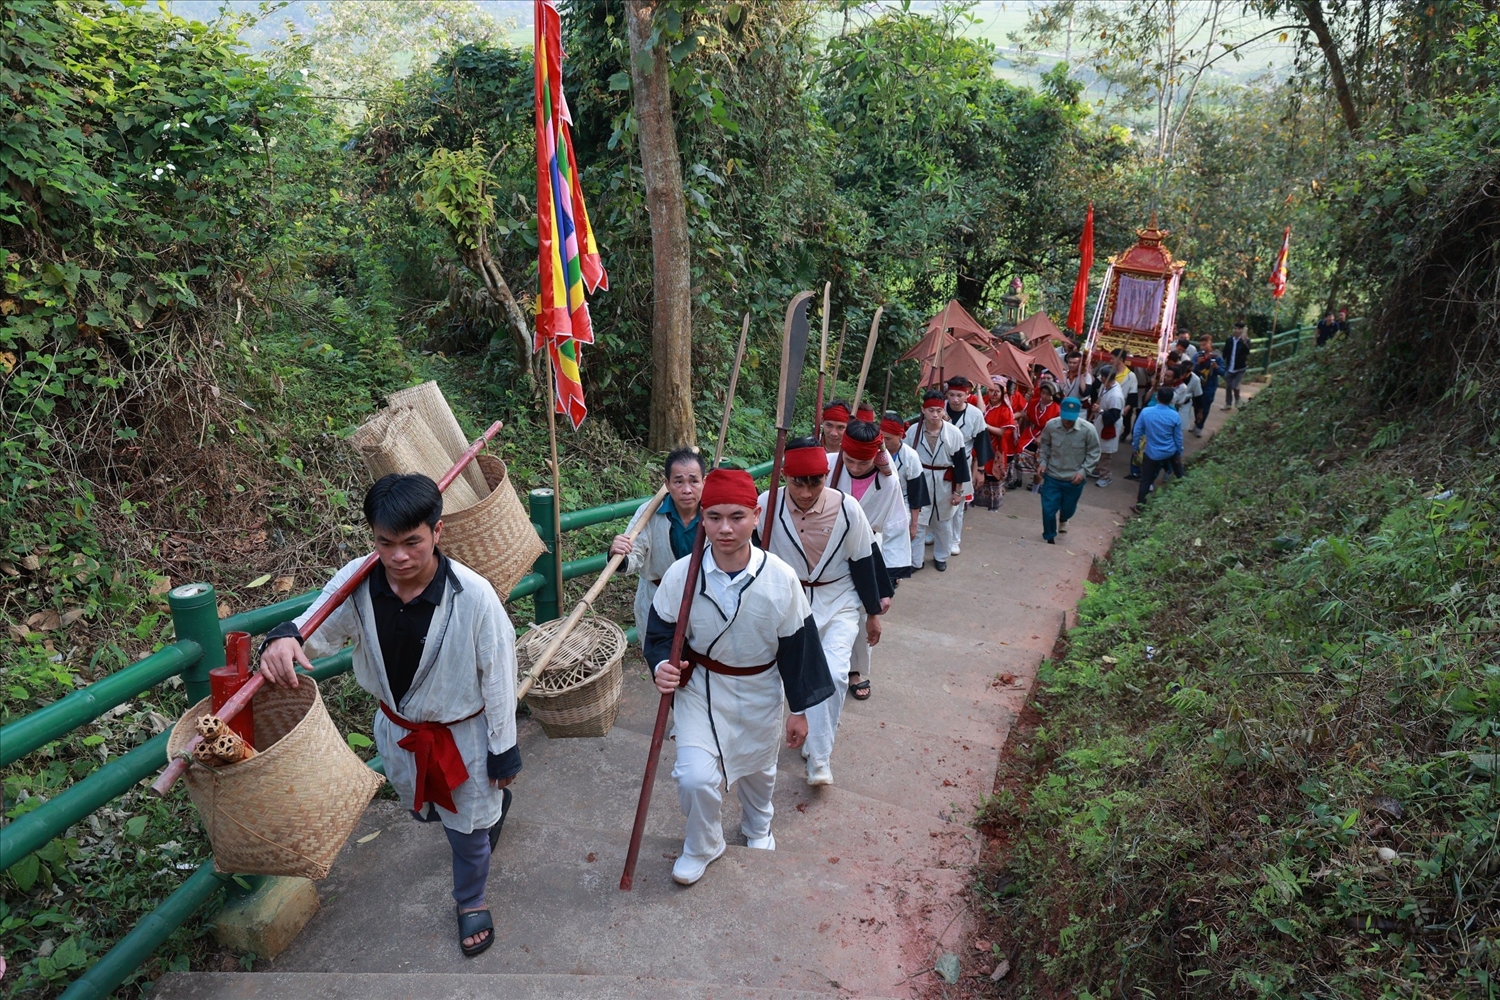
(860, 691)
(472, 923)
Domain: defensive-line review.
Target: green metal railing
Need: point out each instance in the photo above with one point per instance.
(198, 649)
(1277, 348)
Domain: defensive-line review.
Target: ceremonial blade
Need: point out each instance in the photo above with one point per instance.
(793, 355)
(822, 360)
(864, 369)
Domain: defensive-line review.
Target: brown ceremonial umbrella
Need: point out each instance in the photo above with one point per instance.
(1009, 361)
(1037, 329)
(1045, 354)
(965, 327)
(959, 358)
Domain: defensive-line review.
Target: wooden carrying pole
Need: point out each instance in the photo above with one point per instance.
(679, 638)
(557, 559)
(859, 389)
(243, 696)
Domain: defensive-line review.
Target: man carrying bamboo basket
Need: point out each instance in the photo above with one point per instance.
(433, 642)
(748, 615)
(668, 536)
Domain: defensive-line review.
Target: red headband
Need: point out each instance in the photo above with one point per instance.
(865, 413)
(729, 486)
(805, 462)
(860, 451)
(892, 427)
(936, 403)
(838, 414)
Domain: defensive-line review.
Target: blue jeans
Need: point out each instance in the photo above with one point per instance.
(1058, 495)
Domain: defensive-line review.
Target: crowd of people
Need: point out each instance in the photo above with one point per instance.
(786, 614)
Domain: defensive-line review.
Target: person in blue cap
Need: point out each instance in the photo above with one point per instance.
(1067, 449)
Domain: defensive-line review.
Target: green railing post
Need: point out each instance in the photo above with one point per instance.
(195, 616)
(541, 503)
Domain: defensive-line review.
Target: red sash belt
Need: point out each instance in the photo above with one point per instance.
(714, 666)
(946, 470)
(440, 767)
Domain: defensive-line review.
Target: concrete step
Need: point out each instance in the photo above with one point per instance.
(451, 986)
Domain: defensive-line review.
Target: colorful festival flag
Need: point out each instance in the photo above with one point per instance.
(567, 256)
(1278, 273)
(1079, 306)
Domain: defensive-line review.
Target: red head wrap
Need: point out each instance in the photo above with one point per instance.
(935, 403)
(800, 462)
(729, 486)
(889, 426)
(866, 414)
(860, 451)
(837, 414)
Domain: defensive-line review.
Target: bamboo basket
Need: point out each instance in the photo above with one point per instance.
(495, 537)
(579, 692)
(398, 440)
(288, 809)
(431, 407)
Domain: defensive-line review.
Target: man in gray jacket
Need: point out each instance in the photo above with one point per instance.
(433, 642)
(1068, 448)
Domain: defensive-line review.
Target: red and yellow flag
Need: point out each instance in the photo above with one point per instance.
(1278, 273)
(567, 256)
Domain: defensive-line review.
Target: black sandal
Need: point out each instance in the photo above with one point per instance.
(860, 691)
(471, 924)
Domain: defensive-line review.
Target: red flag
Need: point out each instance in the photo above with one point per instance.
(1278, 273)
(1085, 265)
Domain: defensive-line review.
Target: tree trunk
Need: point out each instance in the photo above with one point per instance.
(1318, 24)
(672, 422)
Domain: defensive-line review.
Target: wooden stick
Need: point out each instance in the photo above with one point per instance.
(243, 696)
(864, 368)
(822, 365)
(838, 362)
(734, 381)
(557, 559)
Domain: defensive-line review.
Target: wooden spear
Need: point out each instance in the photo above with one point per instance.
(243, 696)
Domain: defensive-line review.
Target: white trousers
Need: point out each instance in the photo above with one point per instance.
(700, 792)
(942, 536)
(956, 527)
(837, 634)
(859, 656)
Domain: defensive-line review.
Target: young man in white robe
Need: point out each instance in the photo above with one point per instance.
(945, 472)
(669, 536)
(969, 419)
(825, 537)
(907, 468)
(748, 616)
(865, 471)
(433, 643)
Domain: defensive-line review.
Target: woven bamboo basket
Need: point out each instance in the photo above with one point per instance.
(431, 407)
(495, 538)
(398, 440)
(288, 809)
(579, 692)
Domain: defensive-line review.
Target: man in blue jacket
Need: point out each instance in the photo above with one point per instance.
(1161, 426)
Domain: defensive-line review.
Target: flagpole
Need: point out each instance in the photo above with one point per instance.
(557, 559)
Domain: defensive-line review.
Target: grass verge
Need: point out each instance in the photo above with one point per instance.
(1266, 764)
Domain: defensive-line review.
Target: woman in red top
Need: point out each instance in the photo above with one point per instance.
(1004, 436)
(1041, 408)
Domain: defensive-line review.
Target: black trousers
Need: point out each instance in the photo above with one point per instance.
(1151, 469)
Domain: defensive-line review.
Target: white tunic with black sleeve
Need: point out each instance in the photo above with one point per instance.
(943, 463)
(757, 618)
(845, 576)
(884, 504)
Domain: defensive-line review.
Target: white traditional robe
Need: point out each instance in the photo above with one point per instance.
(936, 460)
(768, 624)
(884, 504)
(468, 668)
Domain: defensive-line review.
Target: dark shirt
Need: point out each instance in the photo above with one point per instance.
(681, 534)
(402, 626)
